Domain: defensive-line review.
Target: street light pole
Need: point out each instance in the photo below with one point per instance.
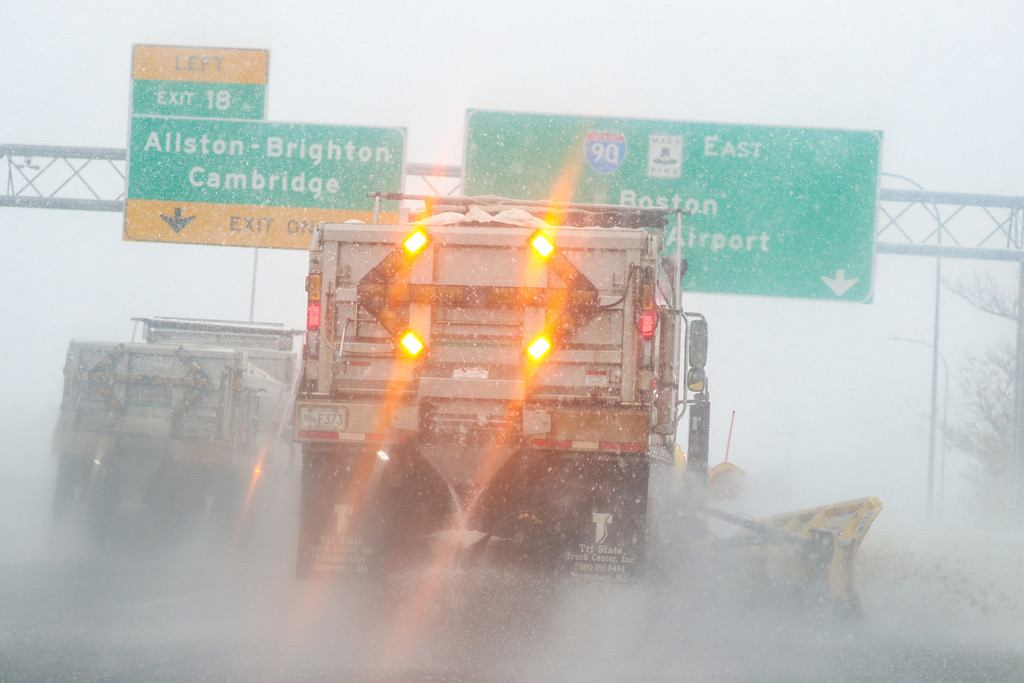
(934, 345)
(936, 357)
(935, 374)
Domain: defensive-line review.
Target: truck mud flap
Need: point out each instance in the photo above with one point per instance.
(365, 510)
(600, 517)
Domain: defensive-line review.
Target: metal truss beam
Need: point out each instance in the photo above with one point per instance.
(77, 178)
(93, 178)
(953, 225)
(910, 222)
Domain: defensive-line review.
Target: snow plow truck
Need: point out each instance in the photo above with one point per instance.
(505, 374)
(179, 432)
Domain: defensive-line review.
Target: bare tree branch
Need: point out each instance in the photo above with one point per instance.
(986, 432)
(980, 290)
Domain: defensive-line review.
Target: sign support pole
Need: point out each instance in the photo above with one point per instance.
(1017, 454)
(252, 296)
(935, 383)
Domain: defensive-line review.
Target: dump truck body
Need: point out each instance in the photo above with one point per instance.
(480, 428)
(154, 436)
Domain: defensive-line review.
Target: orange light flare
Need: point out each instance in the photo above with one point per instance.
(313, 599)
(371, 465)
(565, 187)
(562, 193)
(413, 624)
(257, 470)
(416, 241)
(539, 347)
(364, 479)
(537, 354)
(411, 343)
(542, 244)
(534, 271)
(243, 513)
(409, 628)
(369, 470)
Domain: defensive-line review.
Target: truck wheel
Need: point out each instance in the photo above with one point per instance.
(72, 485)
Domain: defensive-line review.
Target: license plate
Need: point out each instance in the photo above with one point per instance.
(314, 418)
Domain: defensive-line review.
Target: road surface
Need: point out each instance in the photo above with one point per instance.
(932, 611)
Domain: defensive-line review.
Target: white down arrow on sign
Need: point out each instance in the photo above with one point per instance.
(839, 284)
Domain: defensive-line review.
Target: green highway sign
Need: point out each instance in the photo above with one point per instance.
(199, 82)
(772, 211)
(211, 100)
(254, 183)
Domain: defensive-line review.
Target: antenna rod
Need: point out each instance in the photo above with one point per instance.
(729, 441)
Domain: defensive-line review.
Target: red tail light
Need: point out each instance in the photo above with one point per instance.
(313, 316)
(648, 321)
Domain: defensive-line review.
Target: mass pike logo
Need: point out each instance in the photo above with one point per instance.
(605, 151)
(665, 156)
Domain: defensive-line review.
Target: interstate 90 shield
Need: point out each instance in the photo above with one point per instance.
(604, 151)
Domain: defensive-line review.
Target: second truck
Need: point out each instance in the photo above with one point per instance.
(178, 432)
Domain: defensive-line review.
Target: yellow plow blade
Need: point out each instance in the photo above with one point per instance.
(812, 547)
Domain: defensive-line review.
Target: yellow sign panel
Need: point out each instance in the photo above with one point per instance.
(202, 64)
(232, 224)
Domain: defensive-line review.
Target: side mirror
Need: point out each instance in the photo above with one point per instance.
(668, 264)
(697, 343)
